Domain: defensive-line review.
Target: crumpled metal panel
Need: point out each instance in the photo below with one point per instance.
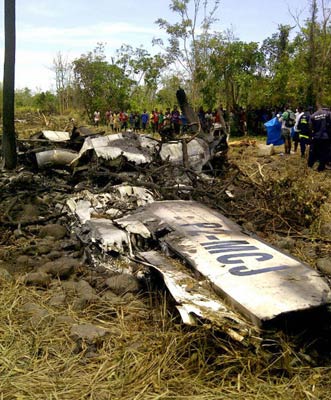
(258, 280)
(109, 238)
(135, 148)
(56, 136)
(141, 195)
(55, 158)
(82, 209)
(194, 299)
(197, 150)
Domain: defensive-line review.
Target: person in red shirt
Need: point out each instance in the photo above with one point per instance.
(155, 120)
(124, 120)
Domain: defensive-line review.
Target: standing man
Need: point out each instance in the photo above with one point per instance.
(175, 120)
(287, 120)
(107, 117)
(96, 117)
(124, 120)
(144, 120)
(320, 143)
(304, 129)
(296, 134)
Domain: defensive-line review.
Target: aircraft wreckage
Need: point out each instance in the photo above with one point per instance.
(132, 147)
(194, 149)
(213, 270)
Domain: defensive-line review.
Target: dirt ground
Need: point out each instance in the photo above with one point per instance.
(71, 332)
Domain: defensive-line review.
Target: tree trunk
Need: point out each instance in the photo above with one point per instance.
(8, 137)
(311, 59)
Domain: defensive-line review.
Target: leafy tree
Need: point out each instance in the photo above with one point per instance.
(278, 55)
(100, 85)
(313, 55)
(140, 66)
(234, 66)
(8, 137)
(144, 70)
(182, 48)
(166, 95)
(23, 98)
(45, 102)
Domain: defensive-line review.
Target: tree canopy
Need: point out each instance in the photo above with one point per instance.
(292, 65)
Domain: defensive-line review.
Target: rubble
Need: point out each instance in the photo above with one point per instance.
(235, 264)
(123, 196)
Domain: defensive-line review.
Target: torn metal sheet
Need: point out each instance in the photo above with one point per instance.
(91, 209)
(135, 148)
(143, 149)
(55, 136)
(136, 227)
(193, 298)
(141, 195)
(197, 150)
(55, 157)
(82, 209)
(108, 237)
(258, 280)
(85, 203)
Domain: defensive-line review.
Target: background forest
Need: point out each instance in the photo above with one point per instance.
(291, 66)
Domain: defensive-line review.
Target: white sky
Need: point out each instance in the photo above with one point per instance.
(74, 27)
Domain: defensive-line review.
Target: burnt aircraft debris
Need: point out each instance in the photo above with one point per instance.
(123, 205)
(256, 279)
(56, 157)
(194, 149)
(106, 237)
(180, 239)
(53, 148)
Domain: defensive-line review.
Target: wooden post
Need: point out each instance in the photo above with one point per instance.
(8, 137)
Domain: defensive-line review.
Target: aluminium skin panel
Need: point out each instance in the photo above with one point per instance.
(257, 279)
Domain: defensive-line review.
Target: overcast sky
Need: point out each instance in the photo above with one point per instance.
(74, 27)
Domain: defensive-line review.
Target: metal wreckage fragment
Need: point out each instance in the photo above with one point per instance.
(136, 148)
(242, 282)
(216, 273)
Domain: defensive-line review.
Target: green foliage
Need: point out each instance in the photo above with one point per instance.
(233, 68)
(23, 98)
(213, 68)
(183, 47)
(166, 96)
(100, 84)
(140, 66)
(46, 102)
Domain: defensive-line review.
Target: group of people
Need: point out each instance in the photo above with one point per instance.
(304, 127)
(309, 129)
(155, 121)
(171, 122)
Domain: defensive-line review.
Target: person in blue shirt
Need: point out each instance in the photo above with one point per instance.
(183, 122)
(175, 120)
(144, 120)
